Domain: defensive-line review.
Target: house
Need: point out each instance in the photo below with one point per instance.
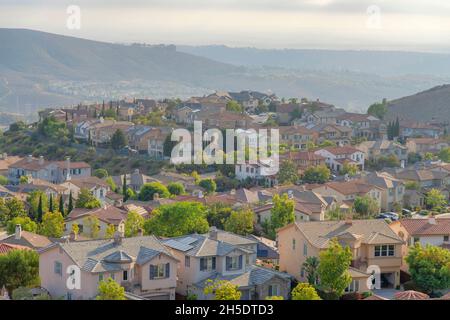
(363, 125)
(340, 135)
(224, 119)
(50, 189)
(409, 129)
(424, 177)
(6, 161)
(346, 192)
(106, 215)
(305, 159)
(264, 171)
(285, 112)
(142, 265)
(138, 137)
(324, 116)
(26, 239)
(302, 212)
(393, 189)
(220, 255)
(98, 187)
(372, 242)
(297, 137)
(414, 199)
(52, 171)
(81, 129)
(432, 231)
(267, 251)
(102, 131)
(425, 145)
(373, 150)
(155, 142)
(135, 180)
(336, 157)
(5, 248)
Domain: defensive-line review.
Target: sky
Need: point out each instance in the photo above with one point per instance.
(410, 25)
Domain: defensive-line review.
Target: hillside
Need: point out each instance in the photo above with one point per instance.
(427, 105)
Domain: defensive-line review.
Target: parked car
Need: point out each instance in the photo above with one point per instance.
(388, 215)
(406, 213)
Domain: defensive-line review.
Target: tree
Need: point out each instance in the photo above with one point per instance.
(70, 205)
(101, 173)
(124, 188)
(3, 180)
(52, 225)
(287, 172)
(317, 174)
(208, 184)
(10, 209)
(61, 205)
(23, 180)
(25, 222)
(350, 169)
(333, 271)
(281, 214)
(87, 200)
(177, 219)
(429, 156)
(133, 224)
(19, 268)
(217, 214)
(234, 106)
(91, 226)
(310, 267)
(110, 230)
(378, 110)
(222, 290)
(327, 143)
(118, 140)
(444, 154)
(50, 203)
(38, 204)
(240, 222)
(111, 183)
(412, 185)
(176, 188)
(429, 267)
(435, 200)
(75, 228)
(148, 190)
(414, 157)
(366, 206)
(40, 209)
(110, 290)
(305, 291)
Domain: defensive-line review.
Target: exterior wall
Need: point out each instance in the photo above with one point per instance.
(156, 287)
(86, 229)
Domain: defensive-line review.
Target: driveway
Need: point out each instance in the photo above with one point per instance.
(386, 293)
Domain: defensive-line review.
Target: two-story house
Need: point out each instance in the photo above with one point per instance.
(305, 159)
(221, 255)
(374, 246)
(341, 135)
(98, 187)
(142, 265)
(363, 125)
(392, 189)
(297, 137)
(373, 150)
(336, 157)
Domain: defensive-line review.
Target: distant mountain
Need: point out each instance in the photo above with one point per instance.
(39, 70)
(432, 104)
(385, 63)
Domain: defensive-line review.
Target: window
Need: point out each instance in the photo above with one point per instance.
(208, 264)
(125, 275)
(234, 263)
(100, 277)
(385, 251)
(293, 244)
(159, 271)
(305, 249)
(416, 239)
(187, 261)
(445, 238)
(113, 276)
(58, 268)
(274, 290)
(353, 286)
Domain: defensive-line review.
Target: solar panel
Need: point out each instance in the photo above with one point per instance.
(187, 240)
(178, 245)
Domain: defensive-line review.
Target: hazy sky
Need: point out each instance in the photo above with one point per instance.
(356, 24)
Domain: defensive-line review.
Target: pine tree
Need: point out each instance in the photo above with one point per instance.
(40, 212)
(397, 128)
(50, 206)
(110, 105)
(70, 206)
(124, 188)
(61, 205)
(89, 138)
(95, 113)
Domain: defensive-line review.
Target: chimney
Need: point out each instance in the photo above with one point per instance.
(41, 160)
(213, 233)
(72, 236)
(431, 220)
(18, 232)
(118, 236)
(68, 168)
(29, 158)
(155, 196)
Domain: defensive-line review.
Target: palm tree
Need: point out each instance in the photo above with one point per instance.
(310, 268)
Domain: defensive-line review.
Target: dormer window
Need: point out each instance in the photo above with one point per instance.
(234, 263)
(207, 263)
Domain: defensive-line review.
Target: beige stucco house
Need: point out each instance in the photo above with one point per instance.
(373, 244)
(142, 265)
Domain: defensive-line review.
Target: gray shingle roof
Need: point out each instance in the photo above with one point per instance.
(105, 255)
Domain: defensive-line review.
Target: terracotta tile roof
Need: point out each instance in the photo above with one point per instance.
(305, 155)
(411, 295)
(5, 163)
(5, 248)
(88, 182)
(28, 239)
(423, 226)
(359, 187)
(107, 214)
(355, 117)
(346, 150)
